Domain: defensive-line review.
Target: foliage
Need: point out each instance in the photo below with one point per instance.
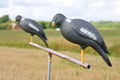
(5, 22)
(106, 25)
(4, 19)
(99, 25)
(44, 24)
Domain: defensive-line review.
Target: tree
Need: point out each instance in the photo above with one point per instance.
(43, 24)
(4, 19)
(5, 22)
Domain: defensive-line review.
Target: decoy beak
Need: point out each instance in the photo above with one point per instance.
(53, 24)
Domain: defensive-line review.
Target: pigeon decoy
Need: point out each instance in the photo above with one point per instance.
(82, 33)
(32, 27)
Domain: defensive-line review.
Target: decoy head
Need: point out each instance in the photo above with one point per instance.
(58, 19)
(18, 18)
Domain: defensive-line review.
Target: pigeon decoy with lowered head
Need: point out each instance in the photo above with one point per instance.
(32, 27)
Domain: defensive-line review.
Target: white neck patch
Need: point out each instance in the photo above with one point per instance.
(68, 20)
(22, 19)
(33, 27)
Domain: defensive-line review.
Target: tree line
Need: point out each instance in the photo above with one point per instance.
(6, 24)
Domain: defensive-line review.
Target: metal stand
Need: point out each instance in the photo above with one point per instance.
(49, 66)
(50, 52)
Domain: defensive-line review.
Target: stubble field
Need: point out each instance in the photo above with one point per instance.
(31, 64)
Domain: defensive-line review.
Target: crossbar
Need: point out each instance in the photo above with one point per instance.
(84, 65)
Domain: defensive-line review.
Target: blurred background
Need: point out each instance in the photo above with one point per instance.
(101, 11)
(17, 56)
(103, 14)
(91, 10)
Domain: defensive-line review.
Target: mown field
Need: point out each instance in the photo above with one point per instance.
(20, 61)
(31, 64)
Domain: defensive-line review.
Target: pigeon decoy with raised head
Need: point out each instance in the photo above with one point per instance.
(82, 33)
(32, 27)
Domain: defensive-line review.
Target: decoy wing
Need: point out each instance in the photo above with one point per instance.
(36, 28)
(88, 31)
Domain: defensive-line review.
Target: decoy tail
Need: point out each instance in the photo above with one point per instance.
(103, 55)
(106, 59)
(44, 39)
(45, 43)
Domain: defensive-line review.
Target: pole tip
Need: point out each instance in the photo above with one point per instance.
(88, 67)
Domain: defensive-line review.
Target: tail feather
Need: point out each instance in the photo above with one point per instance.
(103, 46)
(106, 59)
(102, 54)
(44, 38)
(46, 43)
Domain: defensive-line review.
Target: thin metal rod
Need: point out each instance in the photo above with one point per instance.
(49, 66)
(84, 65)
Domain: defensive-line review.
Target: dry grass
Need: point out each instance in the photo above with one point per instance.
(31, 64)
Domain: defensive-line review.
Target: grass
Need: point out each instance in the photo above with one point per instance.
(31, 64)
(20, 39)
(19, 61)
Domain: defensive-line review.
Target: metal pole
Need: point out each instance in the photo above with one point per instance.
(49, 66)
(85, 65)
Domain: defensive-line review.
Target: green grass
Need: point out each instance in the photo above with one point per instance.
(20, 39)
